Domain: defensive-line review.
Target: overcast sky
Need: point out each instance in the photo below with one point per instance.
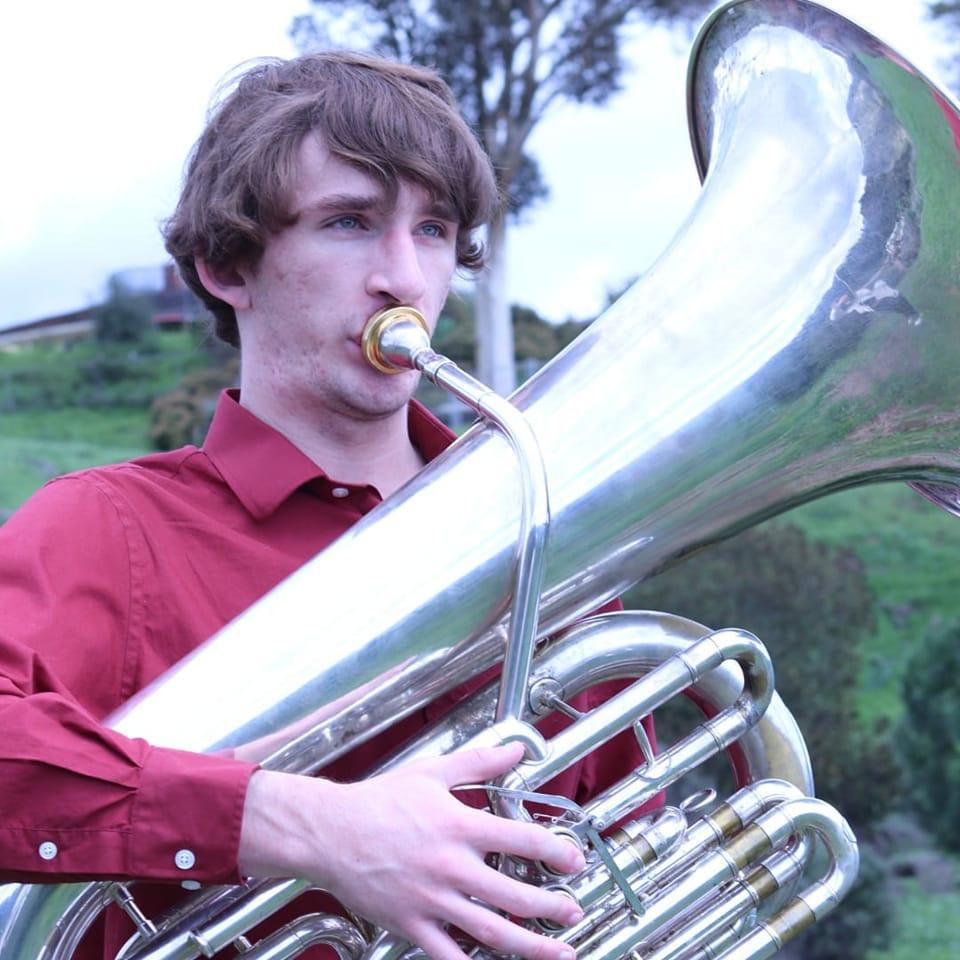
(103, 100)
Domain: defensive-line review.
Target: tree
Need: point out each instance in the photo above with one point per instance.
(535, 338)
(949, 10)
(123, 317)
(931, 732)
(454, 335)
(508, 62)
(949, 14)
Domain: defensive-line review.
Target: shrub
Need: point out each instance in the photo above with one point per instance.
(930, 736)
(181, 416)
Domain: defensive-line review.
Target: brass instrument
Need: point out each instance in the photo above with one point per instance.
(798, 337)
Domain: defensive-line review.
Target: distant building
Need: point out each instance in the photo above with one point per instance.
(63, 328)
(171, 303)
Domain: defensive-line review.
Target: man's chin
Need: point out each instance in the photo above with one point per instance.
(372, 414)
(380, 405)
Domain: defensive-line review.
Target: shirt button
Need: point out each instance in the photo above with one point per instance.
(340, 492)
(190, 884)
(184, 859)
(47, 850)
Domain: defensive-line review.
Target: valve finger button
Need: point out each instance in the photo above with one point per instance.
(564, 834)
(552, 926)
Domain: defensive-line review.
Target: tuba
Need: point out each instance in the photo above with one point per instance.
(798, 337)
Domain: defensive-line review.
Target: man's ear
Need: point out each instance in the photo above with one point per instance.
(225, 283)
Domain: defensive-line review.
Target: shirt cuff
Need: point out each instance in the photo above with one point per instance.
(187, 816)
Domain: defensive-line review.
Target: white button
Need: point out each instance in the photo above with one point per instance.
(340, 492)
(48, 850)
(190, 884)
(184, 859)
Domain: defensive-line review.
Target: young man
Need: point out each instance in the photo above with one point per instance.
(322, 190)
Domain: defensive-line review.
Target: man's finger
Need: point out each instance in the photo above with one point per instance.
(524, 899)
(479, 764)
(436, 942)
(494, 931)
(527, 840)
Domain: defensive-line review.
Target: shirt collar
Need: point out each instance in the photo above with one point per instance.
(240, 444)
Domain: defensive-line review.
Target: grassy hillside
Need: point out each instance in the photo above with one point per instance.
(64, 409)
(928, 926)
(37, 445)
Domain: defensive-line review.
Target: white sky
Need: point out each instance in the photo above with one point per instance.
(103, 100)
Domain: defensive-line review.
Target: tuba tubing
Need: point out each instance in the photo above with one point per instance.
(602, 648)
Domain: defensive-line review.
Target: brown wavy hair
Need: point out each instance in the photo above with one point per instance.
(393, 121)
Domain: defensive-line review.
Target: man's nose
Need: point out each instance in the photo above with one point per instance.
(397, 274)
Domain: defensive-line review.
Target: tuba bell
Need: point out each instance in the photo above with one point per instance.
(798, 337)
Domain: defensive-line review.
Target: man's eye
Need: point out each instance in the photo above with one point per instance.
(346, 222)
(434, 230)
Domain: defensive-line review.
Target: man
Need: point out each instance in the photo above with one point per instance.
(322, 190)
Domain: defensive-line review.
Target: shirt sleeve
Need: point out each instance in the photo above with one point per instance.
(79, 801)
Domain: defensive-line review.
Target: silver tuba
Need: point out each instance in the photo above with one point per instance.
(797, 337)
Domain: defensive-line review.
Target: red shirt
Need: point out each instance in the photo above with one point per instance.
(108, 577)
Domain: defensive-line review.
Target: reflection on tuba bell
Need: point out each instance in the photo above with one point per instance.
(798, 337)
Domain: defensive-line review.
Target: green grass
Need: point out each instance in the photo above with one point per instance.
(63, 409)
(112, 428)
(37, 445)
(928, 927)
(95, 375)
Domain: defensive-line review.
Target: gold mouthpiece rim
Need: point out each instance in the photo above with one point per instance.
(377, 325)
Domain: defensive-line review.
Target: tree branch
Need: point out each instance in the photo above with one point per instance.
(614, 19)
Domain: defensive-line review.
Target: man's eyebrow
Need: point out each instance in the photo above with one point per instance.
(443, 210)
(361, 202)
(340, 202)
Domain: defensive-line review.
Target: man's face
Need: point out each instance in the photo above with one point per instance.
(349, 253)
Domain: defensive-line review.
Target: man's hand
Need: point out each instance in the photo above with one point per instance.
(402, 851)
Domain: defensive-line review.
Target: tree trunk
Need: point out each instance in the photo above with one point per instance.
(495, 360)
